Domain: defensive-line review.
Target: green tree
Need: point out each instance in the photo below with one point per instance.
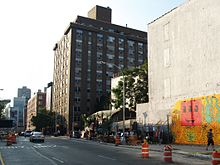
(141, 86)
(3, 103)
(85, 120)
(105, 127)
(88, 120)
(44, 119)
(2, 106)
(136, 91)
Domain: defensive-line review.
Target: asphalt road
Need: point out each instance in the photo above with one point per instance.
(62, 151)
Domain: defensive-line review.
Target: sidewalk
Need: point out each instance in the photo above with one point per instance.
(191, 150)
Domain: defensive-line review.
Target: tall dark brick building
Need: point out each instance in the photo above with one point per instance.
(81, 82)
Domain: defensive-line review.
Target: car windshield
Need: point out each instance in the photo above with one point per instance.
(37, 133)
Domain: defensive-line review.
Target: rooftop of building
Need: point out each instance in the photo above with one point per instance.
(170, 11)
(97, 25)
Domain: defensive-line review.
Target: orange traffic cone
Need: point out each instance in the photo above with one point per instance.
(117, 140)
(145, 150)
(215, 158)
(167, 155)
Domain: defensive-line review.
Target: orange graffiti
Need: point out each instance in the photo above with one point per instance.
(193, 117)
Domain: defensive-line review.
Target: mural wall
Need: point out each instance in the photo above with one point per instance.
(192, 118)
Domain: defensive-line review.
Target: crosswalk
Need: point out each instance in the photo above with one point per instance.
(11, 147)
(44, 146)
(27, 147)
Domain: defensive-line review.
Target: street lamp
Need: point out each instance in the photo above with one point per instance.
(123, 77)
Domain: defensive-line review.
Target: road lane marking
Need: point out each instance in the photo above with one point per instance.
(35, 146)
(50, 160)
(106, 157)
(58, 160)
(11, 147)
(2, 161)
(43, 146)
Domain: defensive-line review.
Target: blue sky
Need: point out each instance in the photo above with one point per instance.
(30, 29)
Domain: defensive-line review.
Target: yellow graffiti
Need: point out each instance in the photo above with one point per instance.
(197, 134)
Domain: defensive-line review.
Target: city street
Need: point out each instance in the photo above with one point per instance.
(61, 150)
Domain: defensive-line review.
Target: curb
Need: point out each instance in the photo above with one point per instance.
(197, 155)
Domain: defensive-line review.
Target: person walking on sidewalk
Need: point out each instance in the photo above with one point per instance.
(210, 140)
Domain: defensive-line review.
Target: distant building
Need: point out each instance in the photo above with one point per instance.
(25, 93)
(49, 94)
(80, 79)
(35, 103)
(19, 104)
(14, 117)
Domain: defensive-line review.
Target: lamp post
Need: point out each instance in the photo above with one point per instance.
(123, 99)
(168, 127)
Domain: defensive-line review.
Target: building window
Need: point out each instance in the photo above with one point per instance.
(99, 38)
(166, 54)
(110, 39)
(166, 31)
(167, 88)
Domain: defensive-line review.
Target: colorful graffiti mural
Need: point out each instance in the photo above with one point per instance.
(192, 118)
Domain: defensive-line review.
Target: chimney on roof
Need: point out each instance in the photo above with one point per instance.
(101, 13)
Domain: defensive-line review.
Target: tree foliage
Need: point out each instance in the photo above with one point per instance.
(136, 88)
(88, 120)
(3, 103)
(2, 106)
(105, 126)
(44, 119)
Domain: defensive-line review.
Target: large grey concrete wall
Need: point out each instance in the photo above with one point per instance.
(184, 55)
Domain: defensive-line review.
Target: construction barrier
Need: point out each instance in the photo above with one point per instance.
(133, 140)
(215, 158)
(9, 140)
(117, 140)
(145, 149)
(167, 155)
(13, 138)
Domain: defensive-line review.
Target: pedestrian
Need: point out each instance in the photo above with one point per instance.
(210, 140)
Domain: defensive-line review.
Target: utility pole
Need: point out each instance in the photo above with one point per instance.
(168, 128)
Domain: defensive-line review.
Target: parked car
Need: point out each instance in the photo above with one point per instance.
(21, 133)
(27, 133)
(76, 134)
(3, 135)
(37, 136)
